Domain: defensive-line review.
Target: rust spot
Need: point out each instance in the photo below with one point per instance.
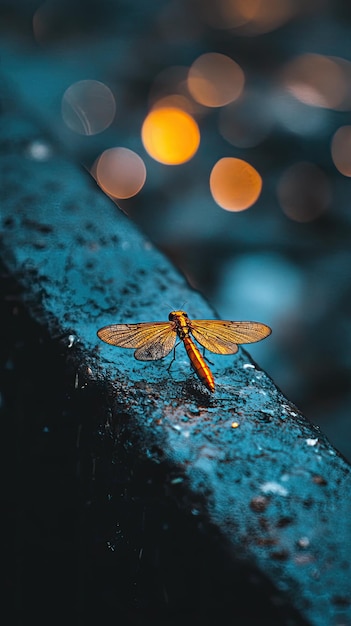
(280, 555)
(284, 521)
(266, 541)
(42, 228)
(319, 480)
(259, 504)
(264, 524)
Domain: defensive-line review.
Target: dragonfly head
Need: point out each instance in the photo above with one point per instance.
(175, 315)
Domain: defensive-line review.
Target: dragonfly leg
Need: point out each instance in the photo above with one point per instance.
(174, 356)
(205, 357)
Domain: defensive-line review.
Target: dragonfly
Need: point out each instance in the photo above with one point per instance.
(155, 340)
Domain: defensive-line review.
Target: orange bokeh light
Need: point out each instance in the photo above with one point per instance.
(249, 17)
(341, 150)
(235, 185)
(214, 80)
(120, 172)
(170, 135)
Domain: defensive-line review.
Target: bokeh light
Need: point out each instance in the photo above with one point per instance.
(304, 192)
(215, 80)
(49, 21)
(297, 117)
(247, 121)
(88, 107)
(319, 80)
(120, 172)
(235, 185)
(267, 283)
(249, 17)
(170, 135)
(341, 150)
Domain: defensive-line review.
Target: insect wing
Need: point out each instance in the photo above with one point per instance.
(153, 340)
(222, 336)
(159, 343)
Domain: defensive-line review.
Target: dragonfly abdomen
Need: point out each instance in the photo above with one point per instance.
(199, 364)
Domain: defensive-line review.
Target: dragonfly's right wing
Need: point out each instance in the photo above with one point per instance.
(153, 340)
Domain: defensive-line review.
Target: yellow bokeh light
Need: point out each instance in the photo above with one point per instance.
(235, 185)
(304, 192)
(170, 135)
(120, 172)
(214, 80)
(341, 150)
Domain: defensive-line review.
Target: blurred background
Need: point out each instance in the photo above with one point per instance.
(222, 128)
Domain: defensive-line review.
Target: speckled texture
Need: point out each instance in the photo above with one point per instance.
(243, 460)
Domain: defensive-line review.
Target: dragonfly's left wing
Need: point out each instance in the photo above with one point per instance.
(222, 336)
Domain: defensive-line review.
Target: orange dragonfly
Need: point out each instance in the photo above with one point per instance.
(154, 340)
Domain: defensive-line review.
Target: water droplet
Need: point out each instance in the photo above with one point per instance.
(312, 442)
(275, 488)
(303, 542)
(39, 150)
(71, 340)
